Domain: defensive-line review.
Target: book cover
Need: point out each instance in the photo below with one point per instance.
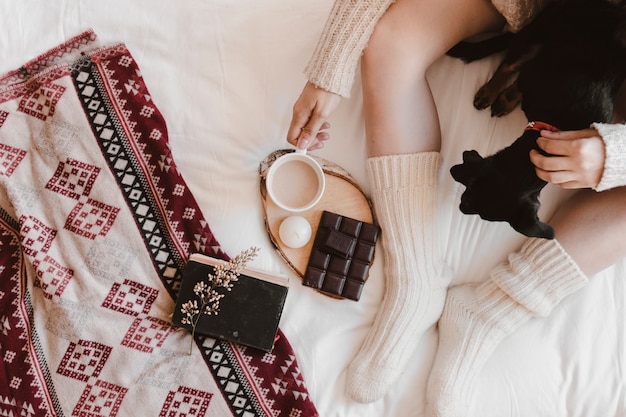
(248, 314)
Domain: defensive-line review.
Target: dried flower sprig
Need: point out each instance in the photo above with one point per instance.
(209, 291)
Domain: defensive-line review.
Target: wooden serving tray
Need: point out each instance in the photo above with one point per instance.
(342, 196)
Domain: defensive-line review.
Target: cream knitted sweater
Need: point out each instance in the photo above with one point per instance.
(350, 25)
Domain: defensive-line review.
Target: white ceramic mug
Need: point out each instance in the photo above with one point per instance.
(295, 182)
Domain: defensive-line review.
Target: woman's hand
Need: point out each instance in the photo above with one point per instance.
(577, 161)
(308, 123)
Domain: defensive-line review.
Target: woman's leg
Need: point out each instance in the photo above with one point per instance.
(591, 227)
(400, 114)
(403, 142)
(590, 231)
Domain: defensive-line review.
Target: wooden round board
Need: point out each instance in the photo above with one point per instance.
(342, 196)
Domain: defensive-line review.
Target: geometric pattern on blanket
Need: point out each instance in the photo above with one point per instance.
(96, 224)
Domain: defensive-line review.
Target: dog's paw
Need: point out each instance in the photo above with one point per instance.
(484, 98)
(506, 101)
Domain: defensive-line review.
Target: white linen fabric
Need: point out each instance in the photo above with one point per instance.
(225, 74)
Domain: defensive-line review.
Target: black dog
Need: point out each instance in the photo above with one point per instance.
(571, 61)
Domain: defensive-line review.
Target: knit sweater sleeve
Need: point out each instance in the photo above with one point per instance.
(348, 28)
(614, 137)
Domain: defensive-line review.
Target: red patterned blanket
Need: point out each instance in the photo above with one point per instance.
(96, 224)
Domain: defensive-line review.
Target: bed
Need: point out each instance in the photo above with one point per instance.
(224, 74)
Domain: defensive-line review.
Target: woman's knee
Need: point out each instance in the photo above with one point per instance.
(413, 34)
(400, 41)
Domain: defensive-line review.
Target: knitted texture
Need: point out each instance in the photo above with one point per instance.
(549, 274)
(614, 138)
(348, 28)
(518, 13)
(477, 318)
(403, 195)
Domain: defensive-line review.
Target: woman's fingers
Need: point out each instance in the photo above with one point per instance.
(308, 126)
(575, 158)
(308, 137)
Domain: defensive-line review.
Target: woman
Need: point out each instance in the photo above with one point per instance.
(396, 44)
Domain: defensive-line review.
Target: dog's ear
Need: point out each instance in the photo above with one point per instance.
(466, 172)
(472, 157)
(528, 224)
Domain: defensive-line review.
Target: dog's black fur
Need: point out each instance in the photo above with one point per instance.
(571, 62)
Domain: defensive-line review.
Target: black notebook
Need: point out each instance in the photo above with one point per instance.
(248, 314)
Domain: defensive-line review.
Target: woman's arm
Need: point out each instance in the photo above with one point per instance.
(331, 69)
(339, 49)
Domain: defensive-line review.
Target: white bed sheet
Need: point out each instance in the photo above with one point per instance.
(225, 74)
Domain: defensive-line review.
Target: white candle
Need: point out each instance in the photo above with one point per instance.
(295, 231)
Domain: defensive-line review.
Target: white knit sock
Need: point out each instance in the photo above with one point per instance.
(403, 196)
(476, 318)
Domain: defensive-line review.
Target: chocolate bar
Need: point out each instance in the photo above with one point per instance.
(342, 253)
